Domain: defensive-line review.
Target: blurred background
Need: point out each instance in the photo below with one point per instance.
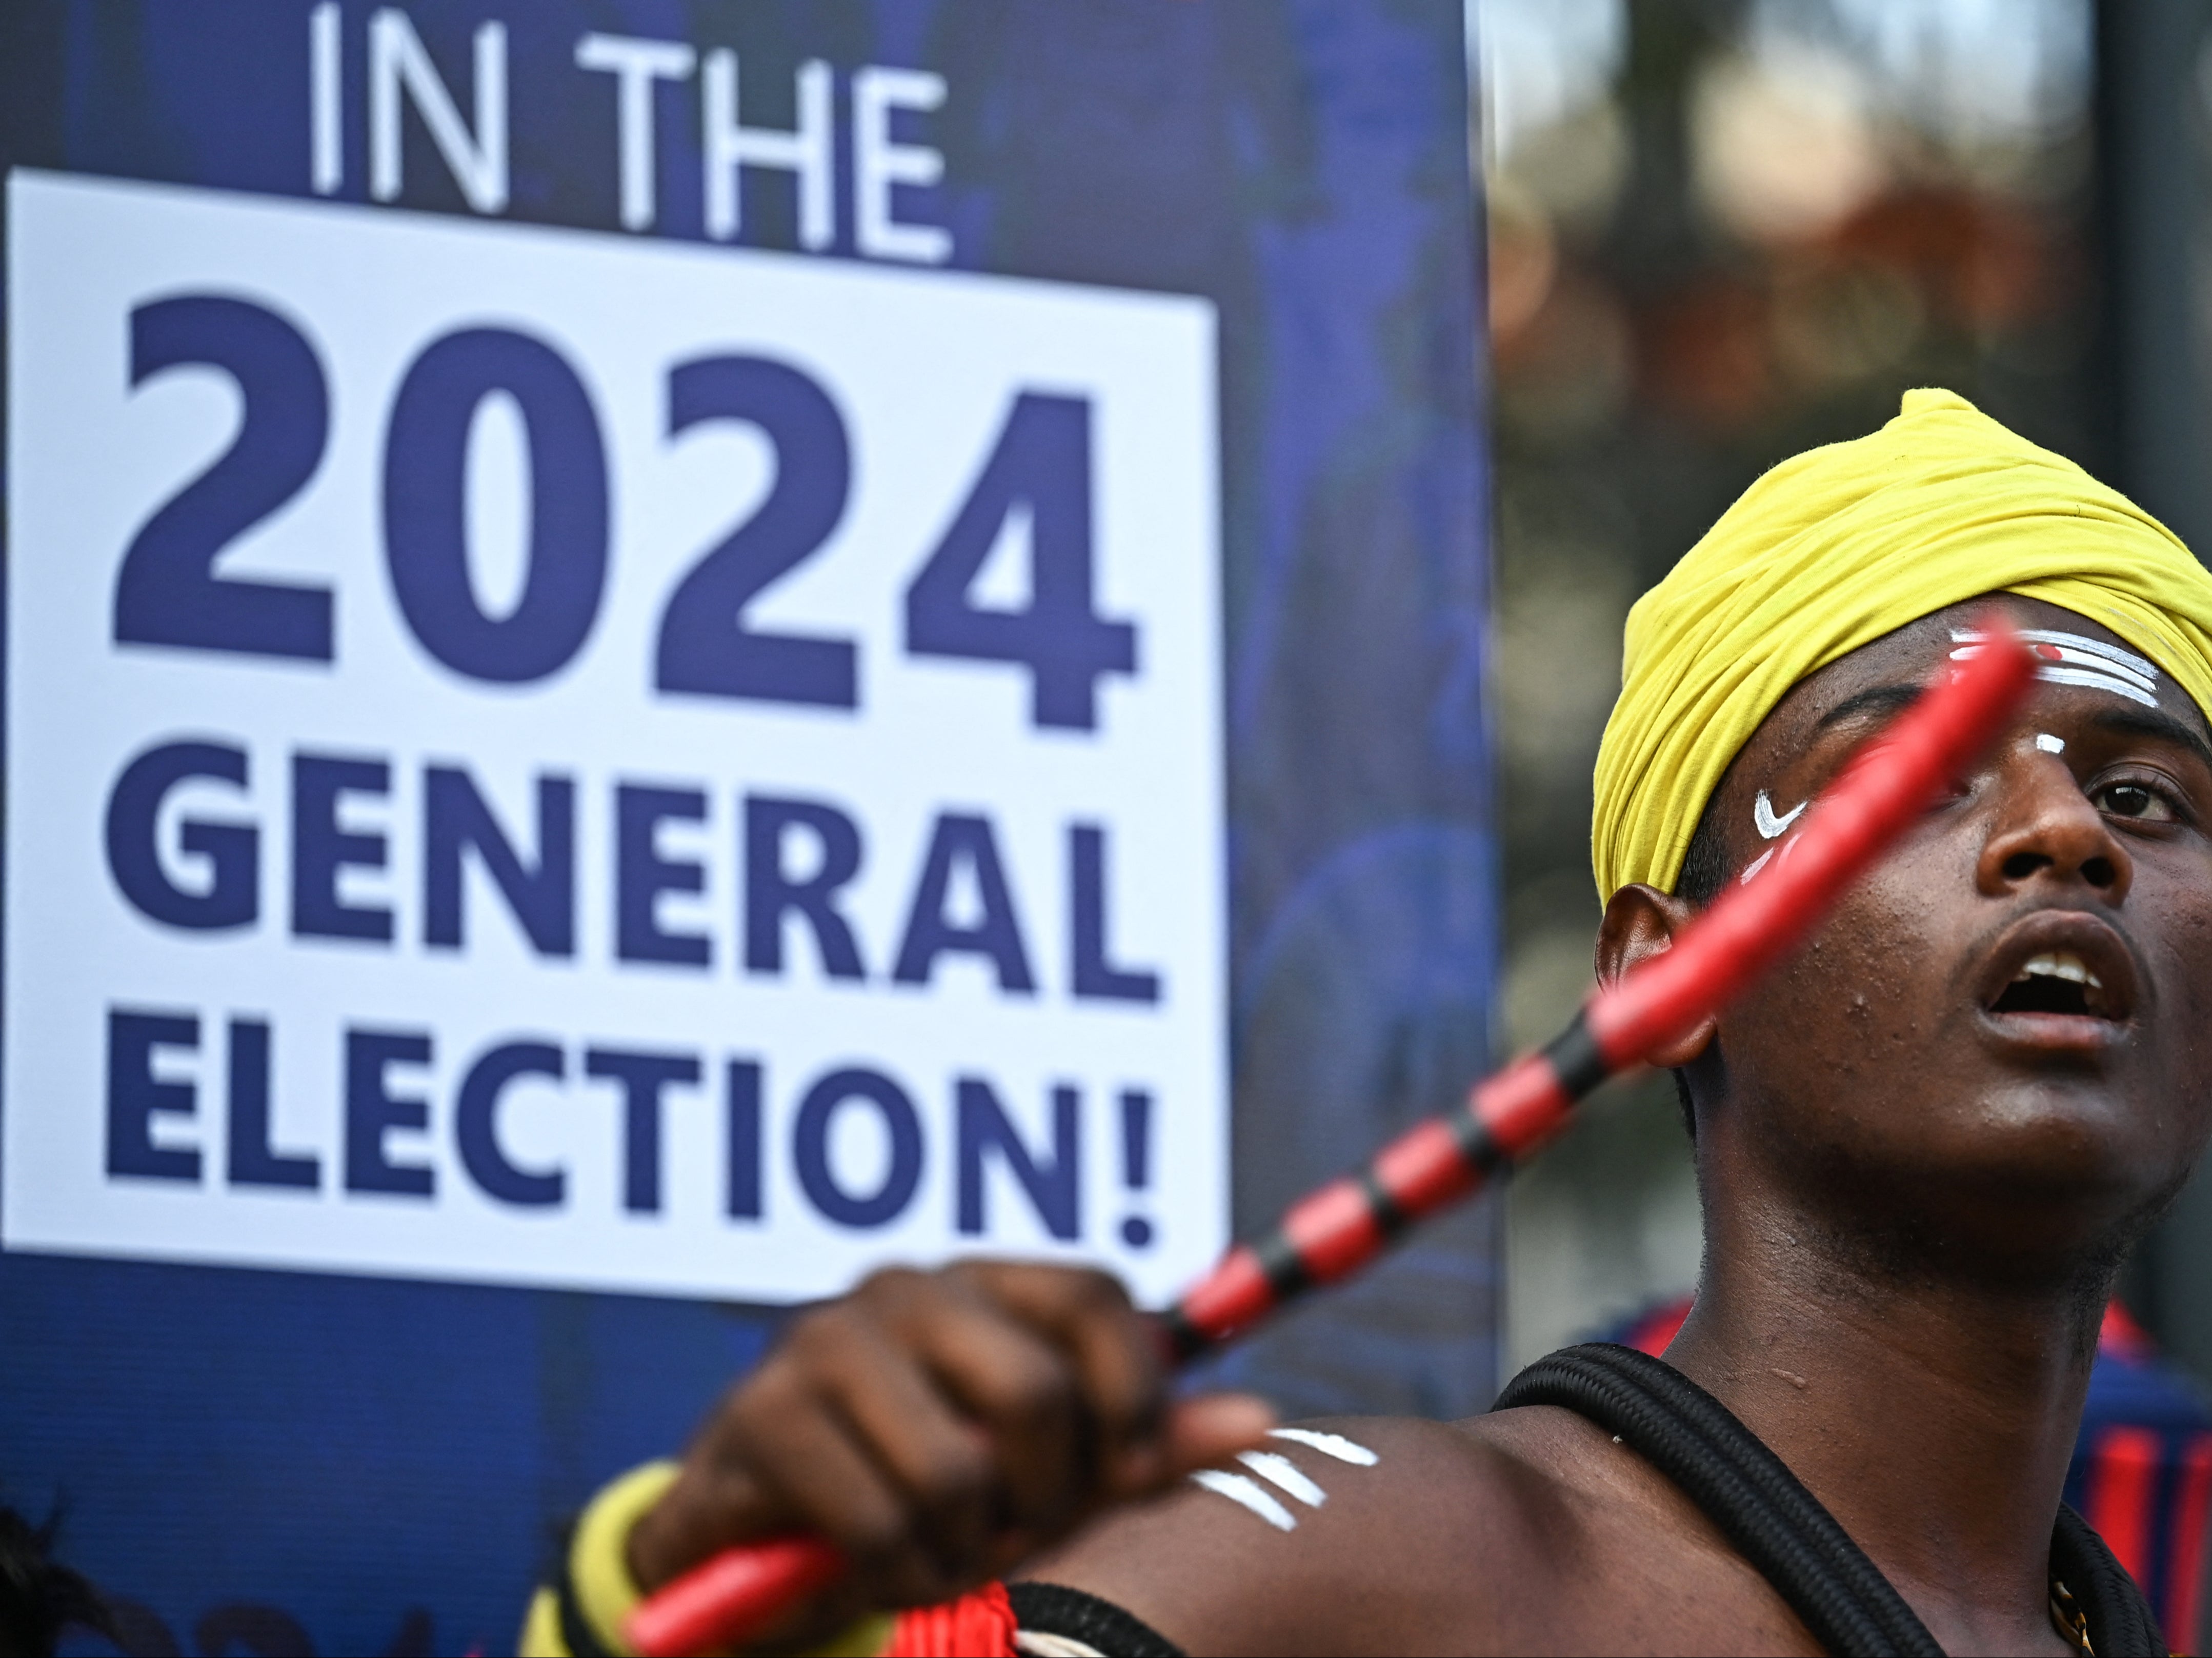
(1722, 230)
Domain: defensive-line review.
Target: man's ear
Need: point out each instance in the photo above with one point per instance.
(1641, 922)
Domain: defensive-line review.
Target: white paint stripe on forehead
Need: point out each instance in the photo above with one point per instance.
(2058, 675)
(2081, 661)
(1246, 1494)
(2143, 669)
(1281, 1472)
(2075, 648)
(1334, 1445)
(2049, 743)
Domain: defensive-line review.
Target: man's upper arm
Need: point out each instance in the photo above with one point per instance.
(1340, 1536)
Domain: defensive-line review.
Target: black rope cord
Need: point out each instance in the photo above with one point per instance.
(2121, 1622)
(1052, 1609)
(1780, 1528)
(1742, 1486)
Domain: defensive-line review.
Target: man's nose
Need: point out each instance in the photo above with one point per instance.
(2047, 830)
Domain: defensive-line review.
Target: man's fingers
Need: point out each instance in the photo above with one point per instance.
(937, 1426)
(1024, 1391)
(1119, 1360)
(830, 1484)
(940, 1463)
(713, 1504)
(1203, 1431)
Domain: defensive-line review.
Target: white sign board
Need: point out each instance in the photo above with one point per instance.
(556, 758)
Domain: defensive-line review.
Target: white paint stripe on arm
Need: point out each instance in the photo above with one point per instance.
(1280, 1471)
(1246, 1494)
(1334, 1445)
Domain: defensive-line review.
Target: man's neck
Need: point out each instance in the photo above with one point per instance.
(1933, 1419)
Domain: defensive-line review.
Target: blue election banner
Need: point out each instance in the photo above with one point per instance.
(658, 653)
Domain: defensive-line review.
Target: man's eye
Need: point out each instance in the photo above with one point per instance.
(2135, 800)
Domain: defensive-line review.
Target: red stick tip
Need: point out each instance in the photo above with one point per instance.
(735, 1595)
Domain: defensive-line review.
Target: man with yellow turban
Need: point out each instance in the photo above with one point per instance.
(1923, 1143)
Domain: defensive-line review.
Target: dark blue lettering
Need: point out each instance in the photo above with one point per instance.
(426, 464)
(706, 649)
(1092, 975)
(1041, 461)
(476, 1125)
(372, 1112)
(167, 592)
(642, 874)
(252, 1161)
(320, 848)
(1054, 1185)
(543, 898)
(741, 1087)
(233, 896)
(929, 934)
(642, 1077)
(135, 1094)
(771, 893)
(811, 1147)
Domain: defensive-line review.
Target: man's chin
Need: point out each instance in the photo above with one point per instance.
(2050, 1167)
(2033, 1170)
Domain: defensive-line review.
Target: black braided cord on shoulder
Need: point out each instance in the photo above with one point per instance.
(1051, 1609)
(1762, 1508)
(1781, 1527)
(2121, 1622)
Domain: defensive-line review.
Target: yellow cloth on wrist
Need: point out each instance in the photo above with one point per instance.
(598, 1565)
(1838, 546)
(599, 1574)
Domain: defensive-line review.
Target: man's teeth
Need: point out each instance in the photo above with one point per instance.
(2058, 965)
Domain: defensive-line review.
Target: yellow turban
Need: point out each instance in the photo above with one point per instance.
(1834, 549)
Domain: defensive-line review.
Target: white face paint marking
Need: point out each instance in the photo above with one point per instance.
(2126, 661)
(1772, 828)
(2049, 743)
(1246, 1494)
(1328, 1445)
(2071, 660)
(1754, 867)
(1286, 1475)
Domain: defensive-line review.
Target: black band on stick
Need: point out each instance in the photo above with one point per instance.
(1575, 1059)
(1390, 1219)
(1280, 1264)
(1476, 1148)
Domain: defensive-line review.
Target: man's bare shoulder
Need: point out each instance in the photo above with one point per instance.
(1523, 1531)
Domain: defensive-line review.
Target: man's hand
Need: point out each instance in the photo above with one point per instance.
(938, 1427)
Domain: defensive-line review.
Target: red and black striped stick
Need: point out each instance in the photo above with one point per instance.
(1346, 1224)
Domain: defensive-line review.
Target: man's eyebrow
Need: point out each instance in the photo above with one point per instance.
(2158, 726)
(1885, 700)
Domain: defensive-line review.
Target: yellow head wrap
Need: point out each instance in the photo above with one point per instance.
(1832, 550)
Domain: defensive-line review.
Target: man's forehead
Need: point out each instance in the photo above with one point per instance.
(2079, 653)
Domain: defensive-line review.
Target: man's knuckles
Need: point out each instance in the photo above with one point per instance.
(871, 1525)
(1057, 1294)
(949, 1478)
(1022, 1389)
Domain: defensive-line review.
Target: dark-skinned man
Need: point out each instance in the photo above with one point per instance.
(1923, 1146)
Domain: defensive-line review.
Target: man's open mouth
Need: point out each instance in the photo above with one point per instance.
(2055, 982)
(2060, 980)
